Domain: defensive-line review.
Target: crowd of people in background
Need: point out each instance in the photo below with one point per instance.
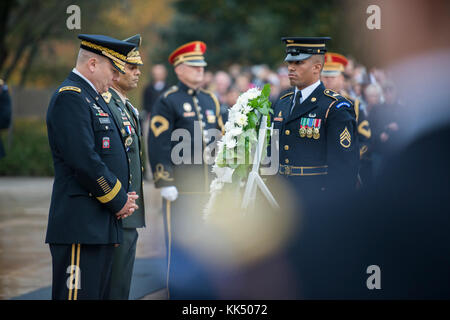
(372, 87)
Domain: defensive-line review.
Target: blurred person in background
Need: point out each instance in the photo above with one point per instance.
(373, 95)
(222, 83)
(243, 82)
(156, 86)
(208, 81)
(5, 112)
(261, 75)
(234, 71)
(360, 74)
(153, 90)
(283, 76)
(275, 88)
(388, 121)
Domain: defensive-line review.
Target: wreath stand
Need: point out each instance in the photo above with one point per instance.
(254, 179)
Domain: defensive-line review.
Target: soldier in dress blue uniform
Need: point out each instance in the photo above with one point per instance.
(127, 117)
(194, 113)
(332, 77)
(318, 142)
(90, 192)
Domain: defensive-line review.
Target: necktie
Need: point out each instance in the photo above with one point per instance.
(130, 107)
(296, 100)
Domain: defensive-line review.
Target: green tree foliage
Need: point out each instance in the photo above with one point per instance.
(29, 154)
(248, 32)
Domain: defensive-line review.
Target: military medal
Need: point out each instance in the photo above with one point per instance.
(302, 130)
(309, 130)
(128, 141)
(316, 133)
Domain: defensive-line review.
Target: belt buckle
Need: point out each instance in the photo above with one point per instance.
(287, 170)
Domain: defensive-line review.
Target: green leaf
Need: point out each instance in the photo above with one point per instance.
(252, 120)
(266, 90)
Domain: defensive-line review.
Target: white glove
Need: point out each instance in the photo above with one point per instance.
(169, 193)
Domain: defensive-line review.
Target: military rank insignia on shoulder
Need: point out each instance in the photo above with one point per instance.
(76, 89)
(286, 95)
(170, 91)
(336, 96)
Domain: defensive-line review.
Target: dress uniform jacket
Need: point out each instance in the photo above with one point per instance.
(318, 143)
(127, 117)
(196, 111)
(91, 167)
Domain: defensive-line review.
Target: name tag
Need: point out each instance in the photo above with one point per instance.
(104, 120)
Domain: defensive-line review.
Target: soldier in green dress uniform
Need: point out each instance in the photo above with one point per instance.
(127, 117)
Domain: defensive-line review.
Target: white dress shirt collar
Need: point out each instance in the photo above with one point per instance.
(306, 92)
(74, 70)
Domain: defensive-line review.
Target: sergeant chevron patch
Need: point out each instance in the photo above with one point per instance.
(345, 138)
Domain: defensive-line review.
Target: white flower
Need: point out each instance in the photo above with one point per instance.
(241, 120)
(231, 143)
(223, 174)
(241, 101)
(247, 109)
(229, 126)
(236, 131)
(253, 93)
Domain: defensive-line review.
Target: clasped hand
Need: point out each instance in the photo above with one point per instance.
(129, 207)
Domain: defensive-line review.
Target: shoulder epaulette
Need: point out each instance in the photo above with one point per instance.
(335, 95)
(107, 96)
(171, 90)
(76, 89)
(286, 95)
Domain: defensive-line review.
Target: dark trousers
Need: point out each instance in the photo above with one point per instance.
(81, 271)
(122, 268)
(180, 217)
